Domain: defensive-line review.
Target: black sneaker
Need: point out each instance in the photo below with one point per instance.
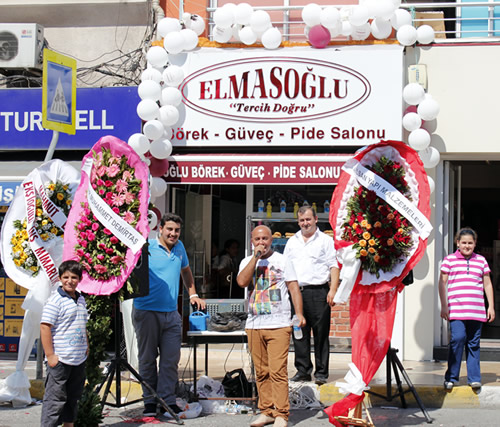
(149, 410)
(175, 409)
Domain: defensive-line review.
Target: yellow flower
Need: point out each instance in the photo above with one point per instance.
(18, 233)
(371, 250)
(39, 212)
(51, 186)
(362, 243)
(354, 226)
(366, 235)
(364, 223)
(368, 226)
(34, 268)
(390, 242)
(38, 203)
(25, 223)
(65, 187)
(60, 196)
(390, 216)
(44, 236)
(24, 234)
(69, 201)
(378, 224)
(53, 230)
(363, 252)
(376, 258)
(371, 242)
(17, 262)
(45, 222)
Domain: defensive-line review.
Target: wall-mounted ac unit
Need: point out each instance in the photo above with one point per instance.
(21, 46)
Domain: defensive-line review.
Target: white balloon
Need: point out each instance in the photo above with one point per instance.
(346, 29)
(223, 17)
(330, 17)
(413, 93)
(428, 109)
(399, 18)
(311, 14)
(307, 28)
(418, 139)
(381, 29)
(412, 121)
(173, 75)
(197, 24)
(151, 74)
(152, 219)
(236, 32)
(242, 13)
(359, 16)
(153, 129)
(161, 148)
(222, 35)
(168, 25)
(425, 34)
(247, 36)
(383, 9)
(190, 39)
(271, 39)
(169, 115)
(260, 21)
(430, 157)
(149, 89)
(158, 186)
(430, 125)
(147, 109)
(173, 42)
(139, 143)
(146, 160)
(362, 32)
(432, 184)
(396, 3)
(407, 35)
(157, 56)
(171, 96)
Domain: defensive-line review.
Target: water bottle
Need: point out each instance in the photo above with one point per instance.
(306, 203)
(260, 206)
(297, 330)
(283, 206)
(326, 207)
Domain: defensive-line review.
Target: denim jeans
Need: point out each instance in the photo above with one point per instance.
(464, 333)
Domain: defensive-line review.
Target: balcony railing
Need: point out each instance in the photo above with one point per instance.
(469, 21)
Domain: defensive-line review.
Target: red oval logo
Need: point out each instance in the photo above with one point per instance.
(274, 89)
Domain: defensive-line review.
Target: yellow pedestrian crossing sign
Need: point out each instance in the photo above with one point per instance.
(58, 92)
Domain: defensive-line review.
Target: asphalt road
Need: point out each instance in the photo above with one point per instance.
(382, 417)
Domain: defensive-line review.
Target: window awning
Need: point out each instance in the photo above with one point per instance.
(255, 169)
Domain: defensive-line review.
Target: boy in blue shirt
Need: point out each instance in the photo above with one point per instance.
(64, 339)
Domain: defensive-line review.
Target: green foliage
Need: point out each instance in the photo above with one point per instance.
(99, 332)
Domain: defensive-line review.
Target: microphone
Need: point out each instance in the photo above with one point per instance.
(258, 254)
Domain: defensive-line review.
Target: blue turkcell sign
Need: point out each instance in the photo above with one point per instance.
(99, 112)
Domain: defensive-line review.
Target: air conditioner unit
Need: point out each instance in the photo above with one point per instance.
(21, 46)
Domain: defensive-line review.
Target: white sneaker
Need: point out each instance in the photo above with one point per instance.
(280, 422)
(262, 420)
(448, 385)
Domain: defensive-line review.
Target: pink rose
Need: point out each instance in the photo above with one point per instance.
(106, 231)
(116, 259)
(108, 183)
(101, 192)
(86, 212)
(80, 252)
(101, 269)
(100, 257)
(116, 210)
(90, 236)
(110, 251)
(95, 226)
(83, 243)
(100, 182)
(114, 240)
(102, 246)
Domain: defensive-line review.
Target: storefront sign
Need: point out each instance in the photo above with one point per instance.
(255, 169)
(7, 191)
(338, 96)
(99, 112)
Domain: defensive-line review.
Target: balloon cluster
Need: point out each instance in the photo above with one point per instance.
(242, 23)
(160, 96)
(375, 17)
(420, 121)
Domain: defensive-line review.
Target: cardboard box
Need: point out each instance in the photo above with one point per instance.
(421, 18)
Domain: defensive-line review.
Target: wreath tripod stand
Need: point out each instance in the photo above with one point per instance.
(394, 364)
(114, 372)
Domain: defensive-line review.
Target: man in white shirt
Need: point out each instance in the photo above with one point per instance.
(314, 258)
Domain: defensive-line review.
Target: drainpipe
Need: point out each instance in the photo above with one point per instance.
(158, 12)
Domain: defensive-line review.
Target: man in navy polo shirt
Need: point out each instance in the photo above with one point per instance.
(157, 321)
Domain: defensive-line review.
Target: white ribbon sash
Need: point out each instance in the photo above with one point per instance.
(127, 234)
(36, 242)
(354, 382)
(53, 212)
(350, 269)
(389, 194)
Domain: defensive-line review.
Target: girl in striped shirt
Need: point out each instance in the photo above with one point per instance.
(464, 279)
